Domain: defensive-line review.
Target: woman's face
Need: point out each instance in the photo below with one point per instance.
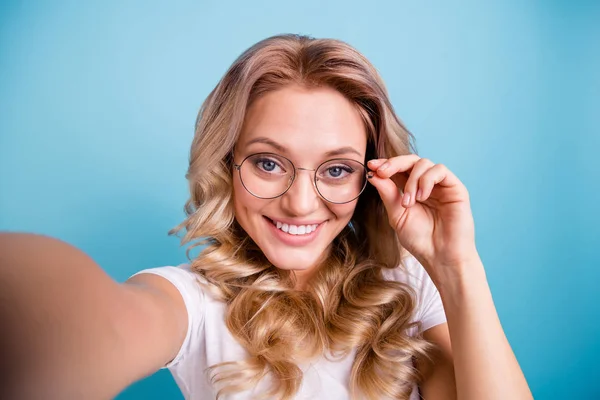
(308, 127)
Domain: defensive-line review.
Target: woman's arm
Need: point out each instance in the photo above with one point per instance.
(68, 331)
(430, 210)
(473, 359)
(438, 371)
(485, 366)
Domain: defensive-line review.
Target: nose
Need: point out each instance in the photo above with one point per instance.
(302, 197)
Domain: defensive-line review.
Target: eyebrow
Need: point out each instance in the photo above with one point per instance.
(283, 149)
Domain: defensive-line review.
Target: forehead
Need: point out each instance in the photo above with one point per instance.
(308, 123)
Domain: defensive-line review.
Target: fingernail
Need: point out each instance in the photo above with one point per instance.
(406, 199)
(419, 194)
(370, 174)
(375, 161)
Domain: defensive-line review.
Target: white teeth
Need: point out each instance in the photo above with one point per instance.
(296, 229)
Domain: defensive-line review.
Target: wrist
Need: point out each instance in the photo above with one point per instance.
(463, 278)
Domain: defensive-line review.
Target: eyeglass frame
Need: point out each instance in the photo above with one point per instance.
(368, 174)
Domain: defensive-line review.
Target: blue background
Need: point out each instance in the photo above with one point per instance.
(98, 101)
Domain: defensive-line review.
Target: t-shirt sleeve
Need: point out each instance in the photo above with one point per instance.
(189, 287)
(429, 310)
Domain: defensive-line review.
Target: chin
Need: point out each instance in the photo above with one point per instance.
(293, 259)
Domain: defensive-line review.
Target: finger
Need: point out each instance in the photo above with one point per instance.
(437, 174)
(396, 164)
(388, 191)
(399, 179)
(376, 163)
(410, 190)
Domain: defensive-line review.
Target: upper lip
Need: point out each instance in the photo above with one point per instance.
(296, 222)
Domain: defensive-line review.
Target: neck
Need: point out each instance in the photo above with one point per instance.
(304, 276)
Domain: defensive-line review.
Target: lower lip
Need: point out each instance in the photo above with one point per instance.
(293, 240)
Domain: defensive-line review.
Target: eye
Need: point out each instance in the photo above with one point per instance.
(268, 165)
(338, 171)
(335, 171)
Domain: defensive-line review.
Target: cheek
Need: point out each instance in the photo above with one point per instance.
(244, 204)
(343, 212)
(238, 194)
(240, 197)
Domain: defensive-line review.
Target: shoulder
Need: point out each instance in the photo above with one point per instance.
(410, 271)
(179, 275)
(429, 310)
(188, 283)
(189, 286)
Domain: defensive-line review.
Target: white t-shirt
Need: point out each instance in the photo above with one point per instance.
(209, 342)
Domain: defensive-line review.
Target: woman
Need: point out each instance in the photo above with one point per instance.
(336, 264)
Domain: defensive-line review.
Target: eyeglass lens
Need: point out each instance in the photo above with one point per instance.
(267, 176)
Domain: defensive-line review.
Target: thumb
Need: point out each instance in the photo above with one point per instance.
(388, 191)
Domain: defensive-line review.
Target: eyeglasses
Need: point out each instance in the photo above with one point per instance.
(269, 175)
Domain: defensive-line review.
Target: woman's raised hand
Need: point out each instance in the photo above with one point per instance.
(429, 208)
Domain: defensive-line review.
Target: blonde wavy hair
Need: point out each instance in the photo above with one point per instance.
(349, 305)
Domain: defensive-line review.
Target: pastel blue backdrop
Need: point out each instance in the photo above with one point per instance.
(98, 101)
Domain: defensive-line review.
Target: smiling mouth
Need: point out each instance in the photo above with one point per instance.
(296, 230)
